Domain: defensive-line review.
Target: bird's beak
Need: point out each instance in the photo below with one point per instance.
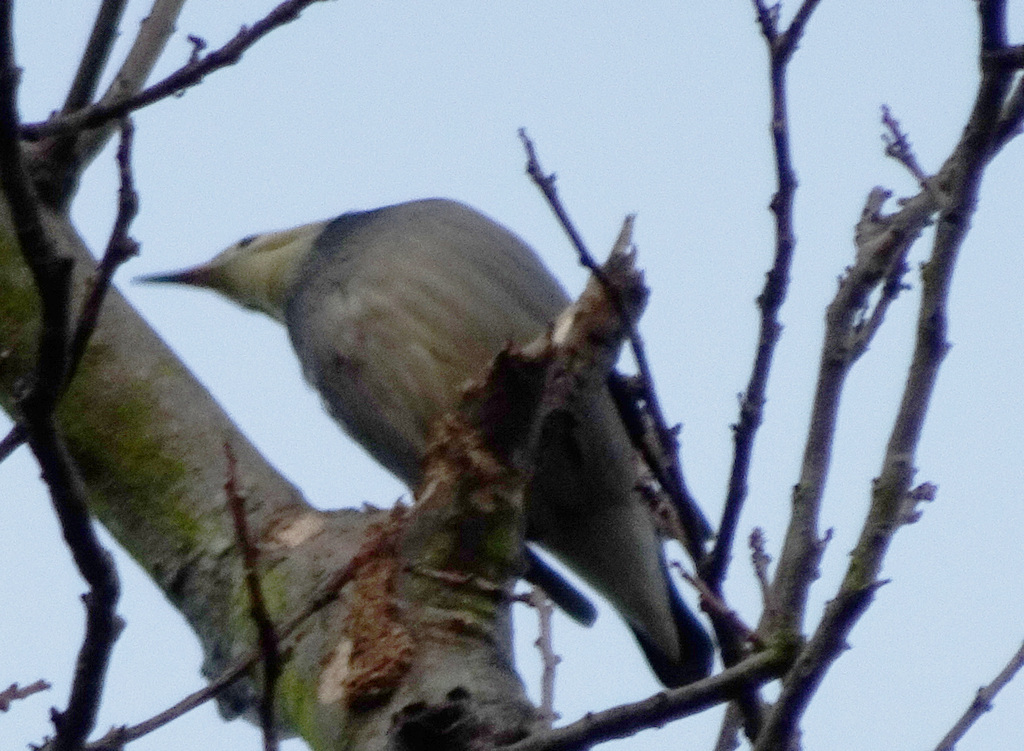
(197, 276)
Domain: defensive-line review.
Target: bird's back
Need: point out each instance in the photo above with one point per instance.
(396, 308)
(380, 301)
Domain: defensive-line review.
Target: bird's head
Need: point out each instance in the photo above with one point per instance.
(257, 272)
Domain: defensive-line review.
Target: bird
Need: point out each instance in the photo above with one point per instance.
(390, 312)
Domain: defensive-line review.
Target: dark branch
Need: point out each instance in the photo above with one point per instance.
(960, 178)
(120, 247)
(185, 77)
(269, 643)
(629, 719)
(982, 702)
(53, 278)
(97, 53)
(13, 693)
(664, 461)
(773, 295)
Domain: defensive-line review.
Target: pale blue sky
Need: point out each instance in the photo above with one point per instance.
(658, 108)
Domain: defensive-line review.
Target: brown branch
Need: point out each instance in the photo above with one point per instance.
(844, 342)
(665, 461)
(887, 239)
(13, 693)
(185, 77)
(269, 642)
(982, 702)
(760, 560)
(718, 609)
(882, 246)
(897, 146)
(52, 277)
(715, 567)
(120, 248)
(663, 707)
(960, 179)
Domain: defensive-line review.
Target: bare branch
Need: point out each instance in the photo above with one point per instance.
(58, 162)
(97, 52)
(269, 642)
(960, 179)
(769, 302)
(897, 146)
(982, 702)
(52, 276)
(717, 608)
(629, 719)
(13, 693)
(664, 462)
(549, 659)
(772, 296)
(185, 77)
(760, 560)
(120, 248)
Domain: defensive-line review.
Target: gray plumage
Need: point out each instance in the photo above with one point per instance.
(390, 312)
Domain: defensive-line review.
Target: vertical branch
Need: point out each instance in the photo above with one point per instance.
(61, 170)
(663, 459)
(97, 52)
(52, 274)
(713, 569)
(269, 642)
(960, 180)
(769, 302)
(549, 660)
(59, 161)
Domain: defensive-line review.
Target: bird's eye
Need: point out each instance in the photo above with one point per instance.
(246, 240)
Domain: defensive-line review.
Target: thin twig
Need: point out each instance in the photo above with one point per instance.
(961, 177)
(715, 567)
(982, 702)
(629, 719)
(269, 642)
(717, 608)
(897, 146)
(52, 275)
(120, 247)
(760, 560)
(549, 659)
(667, 470)
(185, 77)
(13, 693)
(772, 296)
